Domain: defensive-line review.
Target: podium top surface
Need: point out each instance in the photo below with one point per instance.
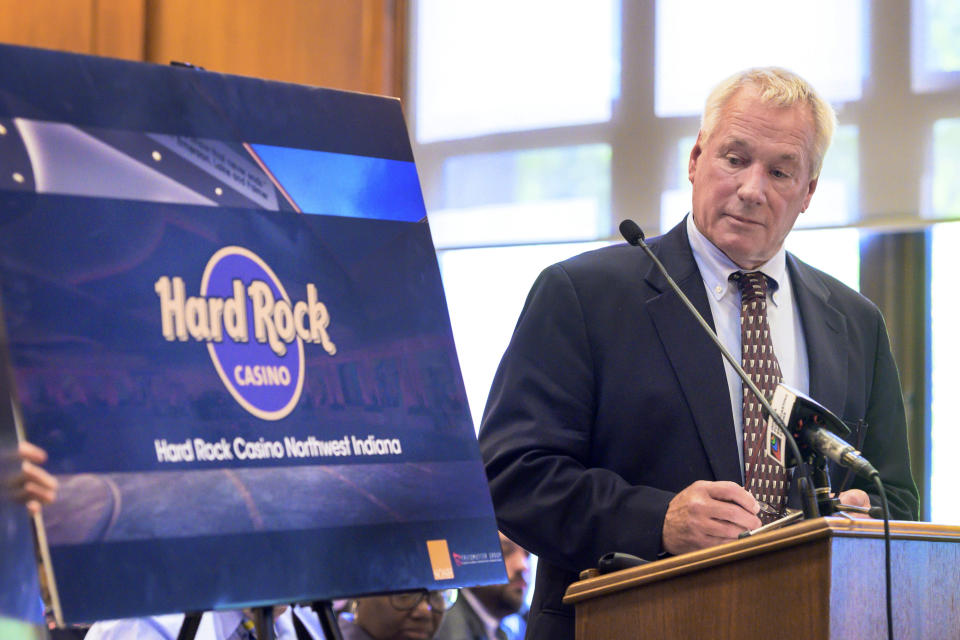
(801, 533)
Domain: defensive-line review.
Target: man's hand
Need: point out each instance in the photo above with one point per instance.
(706, 514)
(855, 498)
(34, 486)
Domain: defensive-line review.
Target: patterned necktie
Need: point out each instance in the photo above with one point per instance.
(764, 477)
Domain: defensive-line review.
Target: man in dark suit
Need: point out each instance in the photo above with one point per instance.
(614, 425)
(479, 611)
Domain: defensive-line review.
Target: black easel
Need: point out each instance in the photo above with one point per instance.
(188, 630)
(263, 623)
(328, 619)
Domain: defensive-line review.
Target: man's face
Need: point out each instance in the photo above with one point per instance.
(384, 621)
(751, 177)
(502, 600)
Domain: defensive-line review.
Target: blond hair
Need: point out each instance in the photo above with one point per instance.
(781, 88)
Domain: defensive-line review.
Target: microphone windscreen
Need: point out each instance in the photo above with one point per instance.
(631, 232)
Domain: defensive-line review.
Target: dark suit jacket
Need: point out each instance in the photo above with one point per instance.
(610, 400)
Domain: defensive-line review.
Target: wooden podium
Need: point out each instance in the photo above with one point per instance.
(820, 578)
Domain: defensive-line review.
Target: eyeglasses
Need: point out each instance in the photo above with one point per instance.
(436, 600)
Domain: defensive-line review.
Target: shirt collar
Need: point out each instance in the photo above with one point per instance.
(226, 621)
(715, 267)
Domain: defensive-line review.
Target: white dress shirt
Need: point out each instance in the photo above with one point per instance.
(786, 330)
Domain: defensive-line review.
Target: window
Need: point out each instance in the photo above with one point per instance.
(692, 55)
(485, 291)
(530, 195)
(936, 53)
(944, 310)
(944, 373)
(946, 169)
(836, 251)
(502, 207)
(501, 65)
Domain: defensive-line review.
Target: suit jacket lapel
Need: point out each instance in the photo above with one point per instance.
(696, 361)
(825, 331)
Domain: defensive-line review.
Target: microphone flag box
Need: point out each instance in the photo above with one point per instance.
(224, 321)
(783, 402)
(797, 411)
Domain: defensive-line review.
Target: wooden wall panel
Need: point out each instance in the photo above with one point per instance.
(65, 25)
(345, 44)
(111, 28)
(118, 28)
(358, 45)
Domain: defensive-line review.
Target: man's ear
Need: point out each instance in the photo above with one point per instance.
(810, 189)
(694, 156)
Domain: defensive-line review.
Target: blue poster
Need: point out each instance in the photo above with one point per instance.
(225, 324)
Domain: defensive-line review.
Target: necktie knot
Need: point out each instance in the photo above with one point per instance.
(753, 284)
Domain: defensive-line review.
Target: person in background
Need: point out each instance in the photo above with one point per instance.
(479, 611)
(411, 615)
(214, 625)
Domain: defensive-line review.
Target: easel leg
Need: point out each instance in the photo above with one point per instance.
(328, 619)
(263, 622)
(188, 630)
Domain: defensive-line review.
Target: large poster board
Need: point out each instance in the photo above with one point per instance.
(225, 323)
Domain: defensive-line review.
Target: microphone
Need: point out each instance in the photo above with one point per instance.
(838, 450)
(815, 426)
(632, 233)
